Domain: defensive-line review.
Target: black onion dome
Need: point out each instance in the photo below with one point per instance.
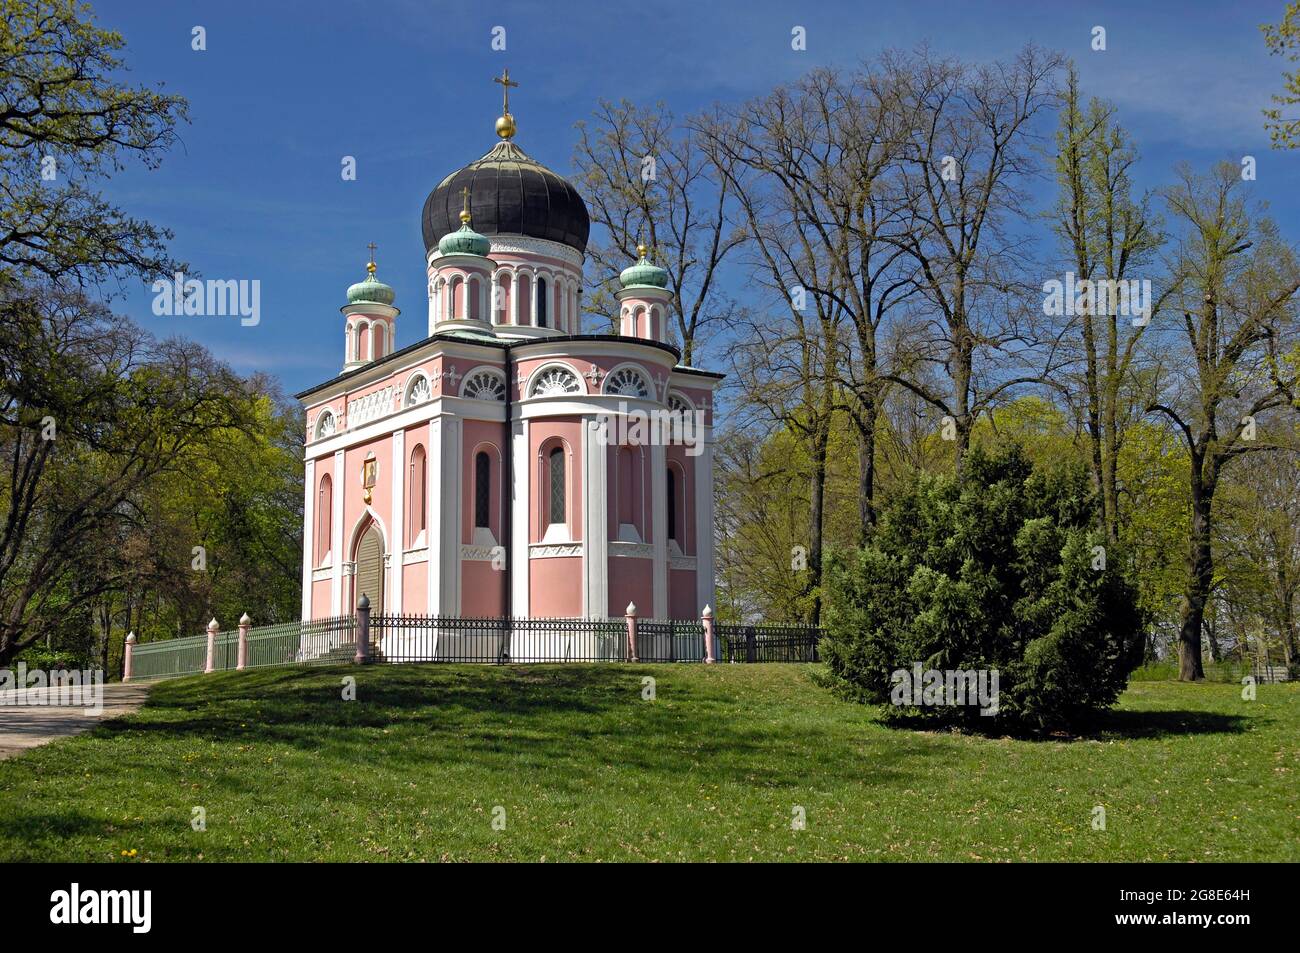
(509, 193)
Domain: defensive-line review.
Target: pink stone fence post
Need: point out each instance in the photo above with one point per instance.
(363, 629)
(706, 618)
(126, 660)
(211, 664)
(631, 631)
(241, 658)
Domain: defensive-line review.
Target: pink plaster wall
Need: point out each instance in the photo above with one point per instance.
(482, 589)
(488, 436)
(681, 594)
(555, 586)
(631, 580)
(415, 588)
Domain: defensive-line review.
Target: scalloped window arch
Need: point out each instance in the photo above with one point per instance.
(555, 381)
(628, 382)
(484, 385)
(418, 390)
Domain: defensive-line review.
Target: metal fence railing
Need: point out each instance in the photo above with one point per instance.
(424, 638)
(409, 638)
(738, 642)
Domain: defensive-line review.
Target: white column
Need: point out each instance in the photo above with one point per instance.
(514, 297)
(451, 513)
(659, 519)
(595, 520)
(704, 523)
(520, 514)
(433, 532)
(338, 546)
(308, 535)
(398, 543)
(532, 300)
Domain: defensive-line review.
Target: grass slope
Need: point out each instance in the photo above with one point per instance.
(587, 770)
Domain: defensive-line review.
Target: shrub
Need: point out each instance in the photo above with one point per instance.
(993, 572)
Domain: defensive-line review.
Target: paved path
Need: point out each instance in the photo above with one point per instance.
(26, 726)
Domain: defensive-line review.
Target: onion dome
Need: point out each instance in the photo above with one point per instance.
(464, 241)
(510, 194)
(371, 290)
(643, 274)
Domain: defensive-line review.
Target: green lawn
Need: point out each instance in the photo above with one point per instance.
(585, 769)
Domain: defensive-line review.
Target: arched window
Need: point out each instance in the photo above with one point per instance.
(417, 492)
(324, 517)
(474, 308)
(626, 487)
(482, 490)
(541, 302)
(557, 502)
(457, 303)
(672, 504)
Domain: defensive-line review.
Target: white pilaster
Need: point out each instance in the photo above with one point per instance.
(659, 519)
(338, 545)
(595, 520)
(308, 535)
(520, 515)
(433, 532)
(398, 543)
(449, 543)
(704, 523)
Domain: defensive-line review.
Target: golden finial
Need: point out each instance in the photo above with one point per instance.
(505, 124)
(464, 213)
(641, 249)
(370, 268)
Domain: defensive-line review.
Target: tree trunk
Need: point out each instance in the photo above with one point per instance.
(867, 471)
(1200, 576)
(816, 518)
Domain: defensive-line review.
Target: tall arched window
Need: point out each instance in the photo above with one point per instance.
(324, 517)
(457, 298)
(482, 490)
(672, 504)
(541, 302)
(557, 502)
(417, 492)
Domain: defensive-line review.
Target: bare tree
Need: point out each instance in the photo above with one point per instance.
(646, 180)
(965, 164)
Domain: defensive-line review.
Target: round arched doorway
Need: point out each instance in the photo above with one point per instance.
(369, 579)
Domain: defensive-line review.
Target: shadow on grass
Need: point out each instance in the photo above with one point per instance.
(1111, 725)
(576, 723)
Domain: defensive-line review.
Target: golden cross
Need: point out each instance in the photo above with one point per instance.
(506, 82)
(372, 246)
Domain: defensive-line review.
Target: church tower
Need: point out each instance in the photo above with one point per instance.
(644, 300)
(370, 320)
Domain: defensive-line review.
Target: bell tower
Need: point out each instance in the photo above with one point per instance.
(370, 320)
(644, 300)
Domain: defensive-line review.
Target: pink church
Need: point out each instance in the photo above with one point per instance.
(497, 467)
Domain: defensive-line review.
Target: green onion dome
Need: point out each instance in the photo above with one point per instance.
(643, 273)
(371, 290)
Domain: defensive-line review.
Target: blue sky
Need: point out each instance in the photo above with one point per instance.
(286, 89)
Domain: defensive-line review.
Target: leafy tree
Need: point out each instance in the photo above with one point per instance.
(997, 571)
(67, 122)
(1283, 39)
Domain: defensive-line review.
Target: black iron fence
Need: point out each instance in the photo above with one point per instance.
(738, 642)
(417, 638)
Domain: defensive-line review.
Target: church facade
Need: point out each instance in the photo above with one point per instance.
(508, 464)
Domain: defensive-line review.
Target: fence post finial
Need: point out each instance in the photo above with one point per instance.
(213, 629)
(631, 631)
(363, 629)
(126, 659)
(241, 660)
(706, 617)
